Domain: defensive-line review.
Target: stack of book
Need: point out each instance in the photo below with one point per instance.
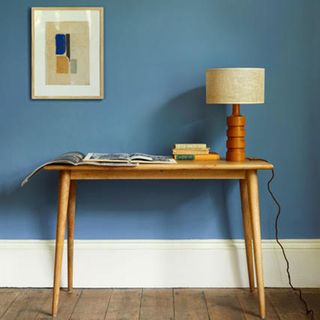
(193, 151)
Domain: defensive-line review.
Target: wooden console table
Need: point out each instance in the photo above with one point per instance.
(245, 172)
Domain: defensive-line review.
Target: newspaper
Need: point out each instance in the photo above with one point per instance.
(75, 158)
(127, 158)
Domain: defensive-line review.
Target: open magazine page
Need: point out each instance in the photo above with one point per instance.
(75, 159)
(107, 157)
(150, 158)
(127, 158)
(67, 158)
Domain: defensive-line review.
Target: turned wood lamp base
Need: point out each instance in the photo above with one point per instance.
(235, 135)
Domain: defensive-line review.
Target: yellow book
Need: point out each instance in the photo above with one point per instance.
(198, 157)
(190, 151)
(210, 156)
(188, 146)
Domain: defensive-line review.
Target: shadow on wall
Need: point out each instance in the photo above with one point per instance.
(187, 119)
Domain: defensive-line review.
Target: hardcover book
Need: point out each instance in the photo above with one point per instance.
(190, 151)
(210, 156)
(196, 146)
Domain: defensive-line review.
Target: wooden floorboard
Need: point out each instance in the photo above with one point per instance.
(7, 297)
(124, 304)
(67, 305)
(190, 304)
(313, 299)
(250, 305)
(287, 304)
(28, 305)
(156, 304)
(92, 305)
(223, 305)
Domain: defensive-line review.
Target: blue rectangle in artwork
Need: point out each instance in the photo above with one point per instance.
(60, 43)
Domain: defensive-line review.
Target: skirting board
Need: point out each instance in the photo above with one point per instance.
(157, 263)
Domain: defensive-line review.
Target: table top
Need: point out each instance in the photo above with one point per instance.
(248, 164)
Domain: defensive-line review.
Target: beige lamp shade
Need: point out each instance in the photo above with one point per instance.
(235, 86)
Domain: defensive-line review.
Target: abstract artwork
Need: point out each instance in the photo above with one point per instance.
(67, 53)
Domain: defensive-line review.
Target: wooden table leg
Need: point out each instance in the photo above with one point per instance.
(255, 218)
(247, 229)
(71, 213)
(64, 186)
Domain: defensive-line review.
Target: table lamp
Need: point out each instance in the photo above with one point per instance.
(235, 86)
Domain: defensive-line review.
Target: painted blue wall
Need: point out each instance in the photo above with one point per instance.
(156, 55)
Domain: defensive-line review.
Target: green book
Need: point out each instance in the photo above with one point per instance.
(184, 157)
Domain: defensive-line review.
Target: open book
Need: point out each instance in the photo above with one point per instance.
(127, 158)
(111, 159)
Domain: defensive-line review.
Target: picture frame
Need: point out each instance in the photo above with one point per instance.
(67, 58)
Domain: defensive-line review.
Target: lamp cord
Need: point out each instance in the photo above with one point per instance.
(308, 311)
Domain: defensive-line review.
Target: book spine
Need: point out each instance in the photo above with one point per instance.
(190, 146)
(211, 156)
(191, 151)
(184, 157)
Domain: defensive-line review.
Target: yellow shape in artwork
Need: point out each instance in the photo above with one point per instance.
(62, 64)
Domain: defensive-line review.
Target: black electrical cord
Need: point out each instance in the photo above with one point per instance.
(309, 312)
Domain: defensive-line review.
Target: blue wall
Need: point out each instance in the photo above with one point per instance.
(156, 56)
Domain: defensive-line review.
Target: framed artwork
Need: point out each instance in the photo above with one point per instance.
(67, 53)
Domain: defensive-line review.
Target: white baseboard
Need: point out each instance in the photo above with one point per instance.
(157, 263)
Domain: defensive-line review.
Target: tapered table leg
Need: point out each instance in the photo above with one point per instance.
(256, 232)
(71, 213)
(247, 228)
(64, 186)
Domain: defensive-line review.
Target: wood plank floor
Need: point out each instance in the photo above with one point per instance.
(155, 304)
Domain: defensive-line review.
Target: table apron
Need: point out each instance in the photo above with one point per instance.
(183, 174)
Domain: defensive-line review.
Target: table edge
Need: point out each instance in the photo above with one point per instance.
(187, 165)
